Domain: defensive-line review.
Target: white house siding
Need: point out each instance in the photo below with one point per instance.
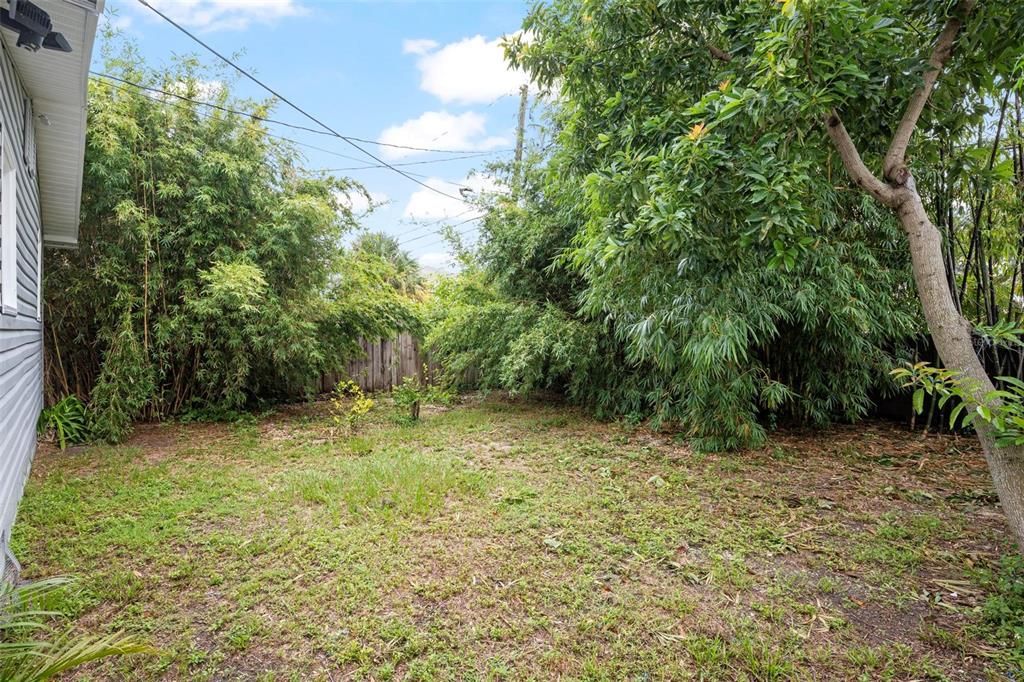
(21, 340)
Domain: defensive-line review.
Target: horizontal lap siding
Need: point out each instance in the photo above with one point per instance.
(21, 342)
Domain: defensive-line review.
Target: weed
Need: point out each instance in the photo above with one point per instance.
(65, 421)
(1002, 614)
(828, 585)
(240, 635)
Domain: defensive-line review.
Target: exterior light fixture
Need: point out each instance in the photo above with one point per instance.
(34, 27)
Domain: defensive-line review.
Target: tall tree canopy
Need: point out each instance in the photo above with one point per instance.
(210, 271)
(406, 277)
(732, 232)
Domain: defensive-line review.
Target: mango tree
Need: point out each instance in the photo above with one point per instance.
(755, 124)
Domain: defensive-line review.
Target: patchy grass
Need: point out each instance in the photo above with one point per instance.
(503, 540)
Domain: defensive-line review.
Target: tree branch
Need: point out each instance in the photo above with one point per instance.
(894, 167)
(719, 54)
(854, 165)
(695, 35)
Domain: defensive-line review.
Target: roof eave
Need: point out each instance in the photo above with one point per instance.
(60, 96)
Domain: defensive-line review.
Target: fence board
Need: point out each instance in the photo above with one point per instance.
(386, 364)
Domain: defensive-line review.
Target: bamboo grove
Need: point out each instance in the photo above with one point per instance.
(210, 275)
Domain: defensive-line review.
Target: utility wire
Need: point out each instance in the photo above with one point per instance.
(99, 79)
(295, 106)
(208, 116)
(417, 229)
(430, 234)
(263, 119)
(268, 134)
(444, 242)
(408, 163)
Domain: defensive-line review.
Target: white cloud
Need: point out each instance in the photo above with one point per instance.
(467, 131)
(436, 261)
(215, 15)
(425, 204)
(471, 70)
(418, 46)
(359, 204)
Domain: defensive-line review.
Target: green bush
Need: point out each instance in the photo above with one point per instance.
(412, 393)
(211, 274)
(66, 421)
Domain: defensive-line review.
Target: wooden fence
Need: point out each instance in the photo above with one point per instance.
(387, 363)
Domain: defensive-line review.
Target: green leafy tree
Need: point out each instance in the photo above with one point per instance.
(210, 273)
(725, 150)
(407, 278)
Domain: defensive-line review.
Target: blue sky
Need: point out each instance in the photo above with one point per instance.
(416, 73)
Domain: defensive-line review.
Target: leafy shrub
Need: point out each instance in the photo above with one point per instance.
(408, 395)
(211, 273)
(66, 421)
(349, 406)
(1002, 408)
(33, 650)
(703, 277)
(123, 387)
(485, 340)
(412, 393)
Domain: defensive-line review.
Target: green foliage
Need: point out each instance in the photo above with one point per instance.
(412, 393)
(66, 420)
(408, 395)
(349, 406)
(210, 274)
(124, 385)
(406, 277)
(32, 649)
(1003, 611)
(689, 240)
(483, 339)
(664, 320)
(1002, 409)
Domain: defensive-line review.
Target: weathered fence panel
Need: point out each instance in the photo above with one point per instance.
(386, 363)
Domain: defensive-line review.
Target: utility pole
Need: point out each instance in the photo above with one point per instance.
(521, 132)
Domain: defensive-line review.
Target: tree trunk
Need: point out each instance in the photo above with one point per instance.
(950, 331)
(952, 336)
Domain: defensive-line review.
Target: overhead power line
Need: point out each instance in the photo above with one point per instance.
(294, 106)
(431, 234)
(294, 126)
(427, 229)
(468, 234)
(99, 79)
(407, 163)
(312, 146)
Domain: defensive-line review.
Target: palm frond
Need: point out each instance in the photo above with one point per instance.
(31, 650)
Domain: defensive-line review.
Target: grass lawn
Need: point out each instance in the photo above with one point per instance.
(505, 540)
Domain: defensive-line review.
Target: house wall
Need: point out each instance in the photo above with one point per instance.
(21, 341)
